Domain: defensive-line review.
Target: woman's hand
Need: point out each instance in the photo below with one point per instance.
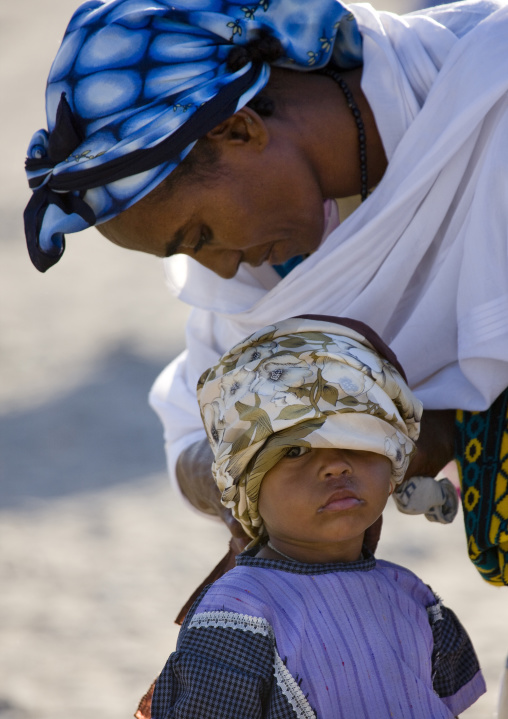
(436, 444)
(193, 471)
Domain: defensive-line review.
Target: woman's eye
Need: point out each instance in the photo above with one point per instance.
(204, 238)
(293, 452)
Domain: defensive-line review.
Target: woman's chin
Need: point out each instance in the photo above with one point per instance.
(284, 252)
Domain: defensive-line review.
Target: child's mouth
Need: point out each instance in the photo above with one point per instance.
(341, 500)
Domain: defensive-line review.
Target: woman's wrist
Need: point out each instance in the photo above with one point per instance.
(194, 476)
(436, 444)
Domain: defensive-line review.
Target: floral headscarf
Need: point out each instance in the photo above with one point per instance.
(135, 84)
(308, 381)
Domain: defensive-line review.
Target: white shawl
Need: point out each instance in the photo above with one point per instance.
(424, 260)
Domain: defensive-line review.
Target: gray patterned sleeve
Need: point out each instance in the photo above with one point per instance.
(454, 661)
(456, 675)
(217, 673)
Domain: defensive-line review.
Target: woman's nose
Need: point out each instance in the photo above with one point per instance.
(223, 262)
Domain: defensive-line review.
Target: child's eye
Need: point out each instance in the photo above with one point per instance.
(293, 452)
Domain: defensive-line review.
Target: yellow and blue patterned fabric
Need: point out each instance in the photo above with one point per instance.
(135, 84)
(310, 381)
(481, 447)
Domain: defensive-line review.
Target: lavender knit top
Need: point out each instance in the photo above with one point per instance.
(274, 639)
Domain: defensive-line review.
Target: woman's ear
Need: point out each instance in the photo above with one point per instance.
(245, 127)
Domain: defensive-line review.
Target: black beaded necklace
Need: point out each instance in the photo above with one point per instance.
(362, 139)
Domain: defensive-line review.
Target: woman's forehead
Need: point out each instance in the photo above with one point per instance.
(154, 225)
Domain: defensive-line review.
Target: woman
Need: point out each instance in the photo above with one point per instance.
(185, 130)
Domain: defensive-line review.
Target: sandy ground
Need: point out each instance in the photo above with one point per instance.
(97, 554)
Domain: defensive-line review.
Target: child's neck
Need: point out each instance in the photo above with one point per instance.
(310, 553)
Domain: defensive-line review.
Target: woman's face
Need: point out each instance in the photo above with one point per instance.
(259, 206)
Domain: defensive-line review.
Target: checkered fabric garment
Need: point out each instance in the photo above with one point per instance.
(274, 639)
(454, 663)
(224, 673)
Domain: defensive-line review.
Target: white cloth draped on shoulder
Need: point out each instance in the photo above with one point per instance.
(424, 260)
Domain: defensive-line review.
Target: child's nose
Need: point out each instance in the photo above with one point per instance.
(335, 463)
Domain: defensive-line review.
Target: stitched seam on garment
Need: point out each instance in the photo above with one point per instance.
(485, 322)
(435, 613)
(257, 625)
(291, 690)
(232, 620)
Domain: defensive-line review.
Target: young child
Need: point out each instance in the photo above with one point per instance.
(312, 426)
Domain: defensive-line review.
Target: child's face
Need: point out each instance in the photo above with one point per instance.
(319, 502)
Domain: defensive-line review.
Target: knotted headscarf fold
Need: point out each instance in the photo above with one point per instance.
(135, 84)
(309, 381)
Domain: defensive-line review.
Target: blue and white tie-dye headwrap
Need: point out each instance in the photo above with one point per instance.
(135, 84)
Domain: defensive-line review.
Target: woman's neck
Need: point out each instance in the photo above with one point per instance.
(317, 117)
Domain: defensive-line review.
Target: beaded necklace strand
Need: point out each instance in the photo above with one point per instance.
(357, 116)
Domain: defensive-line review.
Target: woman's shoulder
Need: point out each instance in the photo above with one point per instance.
(460, 17)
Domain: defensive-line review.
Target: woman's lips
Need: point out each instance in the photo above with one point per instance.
(272, 259)
(260, 260)
(341, 500)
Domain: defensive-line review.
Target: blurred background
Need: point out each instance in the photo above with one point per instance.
(96, 553)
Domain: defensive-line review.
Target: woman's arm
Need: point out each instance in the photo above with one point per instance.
(194, 475)
(436, 444)
(193, 471)
(435, 449)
